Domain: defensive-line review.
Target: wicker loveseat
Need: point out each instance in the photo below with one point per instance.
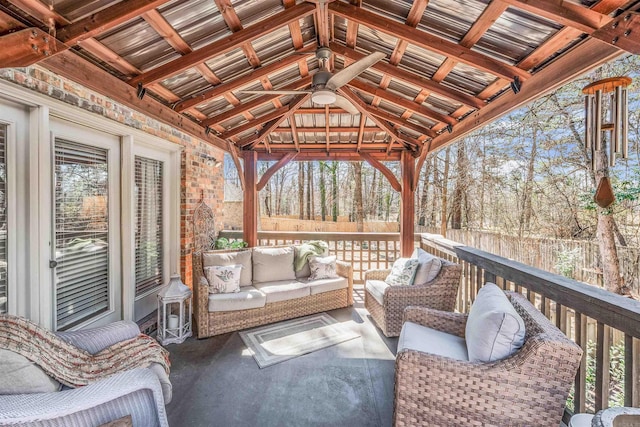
(386, 303)
(528, 388)
(261, 303)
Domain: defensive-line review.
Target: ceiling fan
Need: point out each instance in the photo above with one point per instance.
(325, 84)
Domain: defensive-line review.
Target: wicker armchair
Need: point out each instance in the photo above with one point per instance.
(439, 294)
(530, 388)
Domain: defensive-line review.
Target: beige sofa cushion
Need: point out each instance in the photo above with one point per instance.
(325, 285)
(209, 259)
(273, 264)
(428, 266)
(283, 290)
(248, 297)
(376, 289)
(427, 340)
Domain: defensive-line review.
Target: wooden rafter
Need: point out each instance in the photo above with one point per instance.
(384, 115)
(393, 181)
(322, 20)
(372, 147)
(428, 41)
(233, 150)
(338, 129)
(411, 78)
(294, 133)
(41, 12)
(275, 168)
(326, 126)
(224, 45)
(255, 123)
(254, 76)
(363, 121)
(347, 156)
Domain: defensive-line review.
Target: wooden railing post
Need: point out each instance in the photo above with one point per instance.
(407, 204)
(250, 200)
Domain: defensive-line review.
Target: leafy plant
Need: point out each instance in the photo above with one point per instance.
(566, 261)
(224, 243)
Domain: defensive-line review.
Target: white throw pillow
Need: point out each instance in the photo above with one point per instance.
(402, 272)
(273, 264)
(494, 328)
(322, 267)
(223, 279)
(428, 266)
(210, 259)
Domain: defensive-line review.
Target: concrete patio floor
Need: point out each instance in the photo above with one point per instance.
(216, 382)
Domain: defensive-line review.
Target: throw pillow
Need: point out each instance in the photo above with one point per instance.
(210, 259)
(223, 279)
(273, 264)
(22, 376)
(322, 267)
(428, 266)
(402, 272)
(494, 328)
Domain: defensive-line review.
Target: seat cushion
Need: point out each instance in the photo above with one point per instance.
(427, 340)
(248, 297)
(273, 264)
(428, 266)
(376, 289)
(494, 328)
(325, 285)
(21, 376)
(283, 290)
(209, 259)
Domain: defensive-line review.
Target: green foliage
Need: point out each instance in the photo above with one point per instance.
(626, 191)
(224, 243)
(566, 260)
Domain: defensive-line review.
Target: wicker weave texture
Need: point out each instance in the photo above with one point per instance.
(529, 388)
(439, 294)
(214, 323)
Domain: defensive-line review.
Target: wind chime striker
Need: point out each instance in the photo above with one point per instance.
(606, 119)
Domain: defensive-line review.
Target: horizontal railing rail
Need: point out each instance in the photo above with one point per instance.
(365, 251)
(580, 310)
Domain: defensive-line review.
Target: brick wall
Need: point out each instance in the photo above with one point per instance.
(197, 177)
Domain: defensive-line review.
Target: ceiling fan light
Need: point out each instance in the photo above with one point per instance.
(323, 97)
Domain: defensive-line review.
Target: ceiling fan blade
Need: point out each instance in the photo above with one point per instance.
(343, 77)
(347, 106)
(276, 92)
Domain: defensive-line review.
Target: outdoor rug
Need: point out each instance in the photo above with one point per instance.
(282, 341)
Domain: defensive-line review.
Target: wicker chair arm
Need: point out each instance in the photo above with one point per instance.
(130, 392)
(445, 321)
(376, 274)
(344, 269)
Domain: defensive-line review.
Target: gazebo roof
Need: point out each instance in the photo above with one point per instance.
(450, 65)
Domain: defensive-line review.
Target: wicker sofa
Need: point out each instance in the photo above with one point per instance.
(386, 303)
(528, 388)
(261, 303)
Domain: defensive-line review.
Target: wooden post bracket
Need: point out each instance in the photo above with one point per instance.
(28, 46)
(395, 184)
(275, 168)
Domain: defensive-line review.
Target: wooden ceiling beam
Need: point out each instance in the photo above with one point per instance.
(346, 156)
(233, 22)
(338, 129)
(411, 78)
(255, 123)
(402, 102)
(393, 181)
(27, 46)
(69, 65)
(320, 146)
(361, 131)
(41, 12)
(385, 115)
(294, 133)
(294, 27)
(224, 45)
(564, 12)
(591, 52)
(428, 41)
(106, 19)
(322, 23)
(254, 76)
(275, 168)
(258, 102)
(320, 111)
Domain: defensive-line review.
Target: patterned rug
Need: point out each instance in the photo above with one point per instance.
(282, 341)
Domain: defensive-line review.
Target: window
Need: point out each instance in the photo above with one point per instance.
(81, 224)
(148, 225)
(3, 220)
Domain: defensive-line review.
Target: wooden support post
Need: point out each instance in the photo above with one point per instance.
(407, 204)
(250, 204)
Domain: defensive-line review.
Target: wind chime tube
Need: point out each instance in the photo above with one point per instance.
(612, 133)
(598, 122)
(617, 125)
(588, 122)
(625, 124)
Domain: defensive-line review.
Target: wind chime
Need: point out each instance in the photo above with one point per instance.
(606, 121)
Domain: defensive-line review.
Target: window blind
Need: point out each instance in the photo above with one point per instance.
(3, 220)
(148, 220)
(81, 232)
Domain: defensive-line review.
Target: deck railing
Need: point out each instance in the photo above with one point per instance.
(364, 250)
(580, 310)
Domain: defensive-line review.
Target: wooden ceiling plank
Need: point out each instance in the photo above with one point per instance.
(232, 85)
(106, 19)
(275, 168)
(591, 52)
(415, 13)
(258, 102)
(361, 130)
(224, 45)
(402, 102)
(385, 115)
(428, 41)
(393, 181)
(409, 77)
(564, 12)
(41, 11)
(294, 30)
(496, 86)
(320, 111)
(255, 123)
(322, 20)
(69, 65)
(233, 22)
(339, 129)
